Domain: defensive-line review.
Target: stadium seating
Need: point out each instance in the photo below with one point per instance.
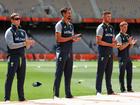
(82, 8)
(47, 38)
(120, 8)
(3, 46)
(24, 7)
(45, 43)
(83, 12)
(57, 6)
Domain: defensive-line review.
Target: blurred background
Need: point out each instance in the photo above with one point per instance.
(40, 16)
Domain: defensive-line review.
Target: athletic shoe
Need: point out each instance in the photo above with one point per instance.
(98, 94)
(123, 91)
(55, 97)
(23, 99)
(69, 96)
(130, 90)
(7, 101)
(113, 93)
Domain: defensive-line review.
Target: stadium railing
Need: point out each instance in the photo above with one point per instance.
(84, 20)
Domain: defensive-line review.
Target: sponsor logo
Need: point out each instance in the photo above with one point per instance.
(67, 32)
(22, 33)
(102, 58)
(108, 35)
(19, 39)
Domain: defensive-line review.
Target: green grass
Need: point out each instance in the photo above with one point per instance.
(44, 73)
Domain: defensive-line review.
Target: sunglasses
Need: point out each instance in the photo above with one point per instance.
(16, 19)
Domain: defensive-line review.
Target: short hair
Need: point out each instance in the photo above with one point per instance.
(106, 13)
(123, 23)
(64, 10)
(14, 14)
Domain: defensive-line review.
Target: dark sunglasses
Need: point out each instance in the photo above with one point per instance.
(16, 19)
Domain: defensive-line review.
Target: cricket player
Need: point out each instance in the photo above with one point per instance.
(105, 40)
(125, 42)
(17, 41)
(64, 34)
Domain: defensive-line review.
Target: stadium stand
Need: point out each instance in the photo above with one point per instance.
(3, 47)
(47, 39)
(124, 9)
(57, 6)
(45, 42)
(82, 7)
(84, 12)
(24, 7)
(50, 8)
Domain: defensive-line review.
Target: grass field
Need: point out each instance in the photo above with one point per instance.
(85, 71)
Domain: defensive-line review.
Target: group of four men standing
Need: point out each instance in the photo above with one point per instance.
(17, 41)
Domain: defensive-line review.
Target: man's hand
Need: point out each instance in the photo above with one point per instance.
(114, 43)
(76, 37)
(130, 40)
(119, 45)
(29, 43)
(133, 41)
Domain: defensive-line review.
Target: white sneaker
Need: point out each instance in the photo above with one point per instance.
(7, 101)
(99, 94)
(55, 97)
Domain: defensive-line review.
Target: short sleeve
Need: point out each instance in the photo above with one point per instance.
(118, 39)
(58, 27)
(99, 31)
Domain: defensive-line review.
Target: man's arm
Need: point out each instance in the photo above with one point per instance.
(133, 42)
(102, 43)
(122, 46)
(99, 34)
(77, 39)
(10, 42)
(59, 37)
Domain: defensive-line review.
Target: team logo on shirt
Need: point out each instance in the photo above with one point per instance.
(15, 33)
(12, 64)
(71, 27)
(22, 33)
(60, 58)
(102, 58)
(65, 27)
(110, 29)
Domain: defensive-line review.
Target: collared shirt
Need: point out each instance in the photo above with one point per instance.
(15, 39)
(122, 39)
(107, 33)
(66, 30)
